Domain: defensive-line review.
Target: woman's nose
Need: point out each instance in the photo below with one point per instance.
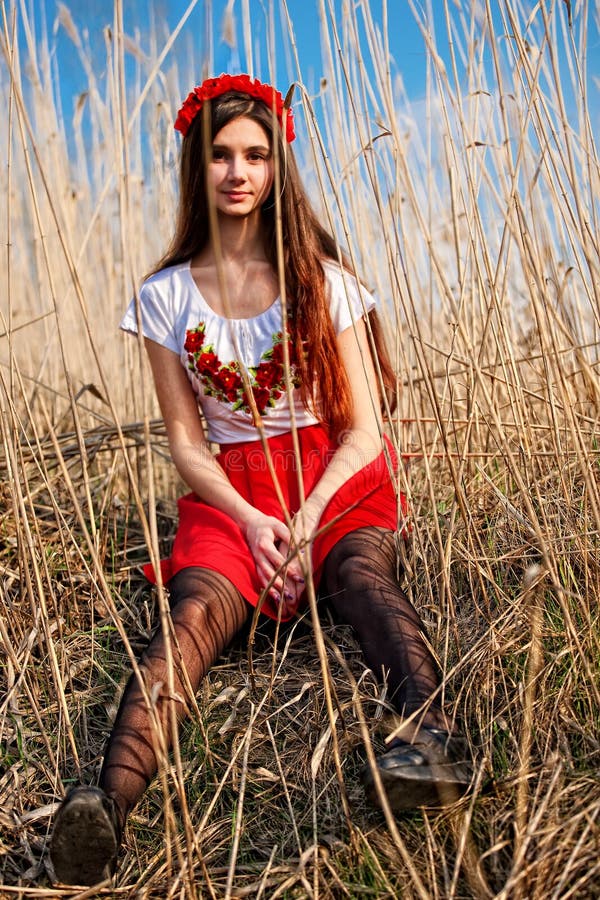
(236, 168)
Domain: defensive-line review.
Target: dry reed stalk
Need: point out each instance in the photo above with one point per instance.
(482, 205)
(532, 597)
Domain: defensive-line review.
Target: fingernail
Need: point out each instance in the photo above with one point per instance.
(299, 579)
(288, 596)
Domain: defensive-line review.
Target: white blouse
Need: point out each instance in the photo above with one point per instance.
(213, 349)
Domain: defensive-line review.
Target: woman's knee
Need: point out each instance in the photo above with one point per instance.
(206, 602)
(360, 556)
(197, 583)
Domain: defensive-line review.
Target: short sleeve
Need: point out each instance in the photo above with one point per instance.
(349, 301)
(157, 317)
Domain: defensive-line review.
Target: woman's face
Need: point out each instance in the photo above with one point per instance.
(240, 173)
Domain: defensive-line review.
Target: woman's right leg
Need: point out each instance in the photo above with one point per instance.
(206, 611)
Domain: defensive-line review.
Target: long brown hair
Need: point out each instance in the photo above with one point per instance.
(324, 384)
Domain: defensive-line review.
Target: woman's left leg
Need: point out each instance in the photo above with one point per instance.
(359, 579)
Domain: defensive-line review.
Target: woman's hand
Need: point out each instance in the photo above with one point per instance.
(295, 550)
(304, 524)
(268, 539)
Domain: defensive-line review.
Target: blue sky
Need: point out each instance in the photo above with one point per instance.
(142, 18)
(405, 41)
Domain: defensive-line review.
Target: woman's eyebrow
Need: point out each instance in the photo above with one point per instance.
(261, 147)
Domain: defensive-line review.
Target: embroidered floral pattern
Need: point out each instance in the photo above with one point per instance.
(223, 381)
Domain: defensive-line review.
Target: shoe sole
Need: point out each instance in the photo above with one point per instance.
(412, 787)
(84, 842)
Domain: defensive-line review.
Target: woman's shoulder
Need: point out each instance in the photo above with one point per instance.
(348, 298)
(340, 278)
(333, 268)
(163, 300)
(168, 278)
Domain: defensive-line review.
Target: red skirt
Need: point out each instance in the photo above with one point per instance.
(209, 538)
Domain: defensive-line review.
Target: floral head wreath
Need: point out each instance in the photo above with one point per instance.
(214, 87)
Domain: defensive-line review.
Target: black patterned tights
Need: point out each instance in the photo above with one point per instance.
(359, 577)
(207, 611)
(359, 580)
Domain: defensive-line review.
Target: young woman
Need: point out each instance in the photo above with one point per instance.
(271, 360)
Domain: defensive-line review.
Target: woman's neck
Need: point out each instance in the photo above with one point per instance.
(238, 239)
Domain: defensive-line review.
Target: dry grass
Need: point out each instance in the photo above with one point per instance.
(476, 217)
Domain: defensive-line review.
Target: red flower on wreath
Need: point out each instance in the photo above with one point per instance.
(224, 381)
(243, 84)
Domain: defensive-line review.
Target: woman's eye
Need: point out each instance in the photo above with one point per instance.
(218, 155)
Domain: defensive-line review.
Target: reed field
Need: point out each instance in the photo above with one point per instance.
(473, 216)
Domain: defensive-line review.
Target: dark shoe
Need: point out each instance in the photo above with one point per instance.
(426, 772)
(86, 837)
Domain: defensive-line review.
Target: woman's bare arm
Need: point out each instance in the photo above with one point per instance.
(201, 471)
(359, 446)
(361, 443)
